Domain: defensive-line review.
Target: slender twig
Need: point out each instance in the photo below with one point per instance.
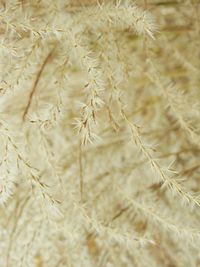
(81, 172)
(33, 90)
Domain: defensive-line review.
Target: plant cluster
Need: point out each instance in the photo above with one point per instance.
(99, 133)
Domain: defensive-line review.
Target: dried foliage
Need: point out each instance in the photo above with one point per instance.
(100, 133)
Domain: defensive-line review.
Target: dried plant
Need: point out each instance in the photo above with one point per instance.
(100, 133)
